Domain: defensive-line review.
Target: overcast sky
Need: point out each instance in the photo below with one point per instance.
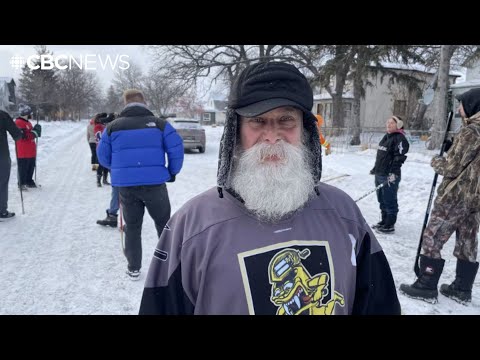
(97, 53)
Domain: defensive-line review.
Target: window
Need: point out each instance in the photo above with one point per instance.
(328, 112)
(320, 109)
(400, 107)
(206, 117)
(347, 110)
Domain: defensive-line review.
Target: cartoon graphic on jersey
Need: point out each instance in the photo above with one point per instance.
(292, 277)
(294, 290)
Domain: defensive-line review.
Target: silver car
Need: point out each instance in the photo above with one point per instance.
(192, 133)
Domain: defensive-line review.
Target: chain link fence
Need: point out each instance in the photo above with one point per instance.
(340, 139)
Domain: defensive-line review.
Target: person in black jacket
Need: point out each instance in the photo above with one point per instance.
(390, 157)
(6, 124)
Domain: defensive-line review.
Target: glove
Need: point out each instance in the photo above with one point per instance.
(392, 178)
(372, 172)
(37, 130)
(327, 150)
(448, 145)
(172, 179)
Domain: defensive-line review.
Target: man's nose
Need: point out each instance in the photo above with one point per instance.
(271, 133)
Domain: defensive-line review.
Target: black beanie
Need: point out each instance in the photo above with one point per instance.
(262, 87)
(470, 101)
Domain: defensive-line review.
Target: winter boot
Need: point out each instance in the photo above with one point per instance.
(110, 220)
(133, 275)
(99, 184)
(7, 215)
(381, 223)
(389, 225)
(32, 184)
(105, 181)
(461, 288)
(425, 287)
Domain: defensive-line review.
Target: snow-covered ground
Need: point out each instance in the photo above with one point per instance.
(56, 260)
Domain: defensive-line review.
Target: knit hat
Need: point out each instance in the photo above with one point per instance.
(24, 110)
(470, 101)
(262, 87)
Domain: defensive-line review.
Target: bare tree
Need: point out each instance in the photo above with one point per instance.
(162, 92)
(188, 105)
(189, 63)
(79, 90)
(131, 78)
(113, 101)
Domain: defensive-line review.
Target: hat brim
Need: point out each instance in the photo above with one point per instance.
(264, 106)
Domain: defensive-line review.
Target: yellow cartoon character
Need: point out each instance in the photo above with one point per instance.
(294, 290)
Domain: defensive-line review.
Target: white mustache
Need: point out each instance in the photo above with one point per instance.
(272, 189)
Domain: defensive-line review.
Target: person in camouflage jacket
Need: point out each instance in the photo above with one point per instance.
(456, 209)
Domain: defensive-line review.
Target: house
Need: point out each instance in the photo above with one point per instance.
(472, 80)
(7, 94)
(385, 96)
(214, 112)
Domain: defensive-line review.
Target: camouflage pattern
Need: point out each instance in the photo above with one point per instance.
(461, 168)
(444, 221)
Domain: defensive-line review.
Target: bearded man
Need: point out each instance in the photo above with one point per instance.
(270, 238)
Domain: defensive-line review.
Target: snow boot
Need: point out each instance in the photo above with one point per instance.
(382, 222)
(389, 225)
(7, 215)
(425, 287)
(133, 275)
(460, 289)
(110, 220)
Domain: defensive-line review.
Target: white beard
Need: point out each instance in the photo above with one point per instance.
(273, 189)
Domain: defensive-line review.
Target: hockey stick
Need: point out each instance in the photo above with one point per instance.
(18, 179)
(372, 191)
(122, 243)
(335, 177)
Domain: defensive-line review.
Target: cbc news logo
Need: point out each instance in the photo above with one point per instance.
(62, 62)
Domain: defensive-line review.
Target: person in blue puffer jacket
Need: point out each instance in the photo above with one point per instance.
(133, 147)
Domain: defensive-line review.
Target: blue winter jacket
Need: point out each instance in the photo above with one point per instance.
(134, 145)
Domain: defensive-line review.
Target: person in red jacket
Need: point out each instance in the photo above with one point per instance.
(97, 131)
(26, 147)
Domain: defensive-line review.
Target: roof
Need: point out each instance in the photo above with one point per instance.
(220, 105)
(415, 67)
(326, 96)
(466, 84)
(7, 79)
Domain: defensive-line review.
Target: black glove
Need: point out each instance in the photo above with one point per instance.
(172, 178)
(372, 172)
(37, 130)
(448, 145)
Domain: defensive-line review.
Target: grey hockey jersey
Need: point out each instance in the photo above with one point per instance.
(215, 257)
